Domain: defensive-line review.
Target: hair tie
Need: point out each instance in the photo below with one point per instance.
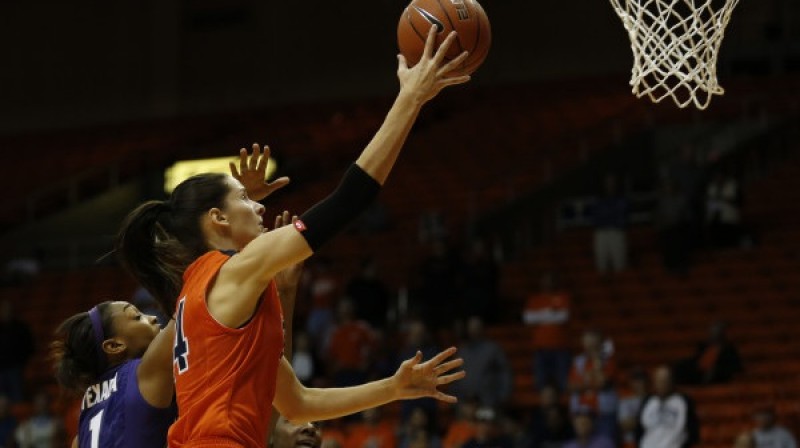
(99, 337)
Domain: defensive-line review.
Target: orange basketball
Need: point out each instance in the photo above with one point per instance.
(467, 17)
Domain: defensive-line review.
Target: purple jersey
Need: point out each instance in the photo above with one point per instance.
(115, 415)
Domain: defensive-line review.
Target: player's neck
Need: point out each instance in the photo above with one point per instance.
(222, 244)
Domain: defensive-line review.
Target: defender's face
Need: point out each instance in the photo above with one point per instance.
(135, 329)
(290, 435)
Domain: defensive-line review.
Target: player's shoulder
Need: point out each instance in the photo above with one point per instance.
(206, 264)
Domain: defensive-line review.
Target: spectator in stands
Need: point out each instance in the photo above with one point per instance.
(463, 427)
(585, 435)
(351, 345)
(489, 377)
(610, 218)
(322, 287)
(513, 428)
(369, 294)
(438, 274)
(715, 361)
(8, 424)
(22, 269)
(333, 434)
(16, 349)
(768, 433)
(42, 429)
(723, 218)
(548, 313)
(549, 417)
(418, 432)
(687, 175)
(745, 440)
(556, 431)
(290, 435)
(304, 362)
(591, 381)
(668, 418)
(371, 432)
(630, 405)
(478, 282)
(431, 227)
(673, 218)
(487, 434)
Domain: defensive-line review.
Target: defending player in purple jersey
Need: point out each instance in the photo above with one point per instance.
(121, 361)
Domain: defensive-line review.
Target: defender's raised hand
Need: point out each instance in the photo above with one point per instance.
(252, 173)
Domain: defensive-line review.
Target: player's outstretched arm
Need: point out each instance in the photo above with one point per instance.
(414, 379)
(418, 85)
(155, 371)
(245, 275)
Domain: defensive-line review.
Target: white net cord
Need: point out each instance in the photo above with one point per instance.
(675, 46)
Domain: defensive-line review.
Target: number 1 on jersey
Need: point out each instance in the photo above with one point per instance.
(180, 353)
(94, 429)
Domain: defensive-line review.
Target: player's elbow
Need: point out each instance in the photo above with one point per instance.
(290, 413)
(290, 409)
(298, 410)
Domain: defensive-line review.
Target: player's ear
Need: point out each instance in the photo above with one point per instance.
(217, 217)
(114, 346)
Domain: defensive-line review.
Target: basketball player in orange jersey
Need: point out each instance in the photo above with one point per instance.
(207, 248)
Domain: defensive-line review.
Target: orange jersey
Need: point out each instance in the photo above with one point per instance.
(549, 332)
(224, 377)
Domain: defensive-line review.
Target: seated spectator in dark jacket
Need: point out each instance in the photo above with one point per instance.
(716, 360)
(585, 435)
(550, 424)
(487, 434)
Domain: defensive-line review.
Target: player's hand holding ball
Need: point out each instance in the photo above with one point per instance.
(431, 74)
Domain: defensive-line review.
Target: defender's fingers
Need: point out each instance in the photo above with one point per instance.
(234, 171)
(253, 162)
(243, 160)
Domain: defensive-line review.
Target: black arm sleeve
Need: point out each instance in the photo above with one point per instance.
(331, 215)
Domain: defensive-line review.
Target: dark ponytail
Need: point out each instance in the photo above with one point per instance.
(160, 239)
(74, 350)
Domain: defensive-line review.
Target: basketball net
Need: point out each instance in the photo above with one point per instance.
(675, 47)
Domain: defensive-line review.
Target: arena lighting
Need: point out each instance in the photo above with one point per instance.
(184, 169)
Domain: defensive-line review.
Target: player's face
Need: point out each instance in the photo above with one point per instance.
(245, 216)
(137, 330)
(289, 435)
